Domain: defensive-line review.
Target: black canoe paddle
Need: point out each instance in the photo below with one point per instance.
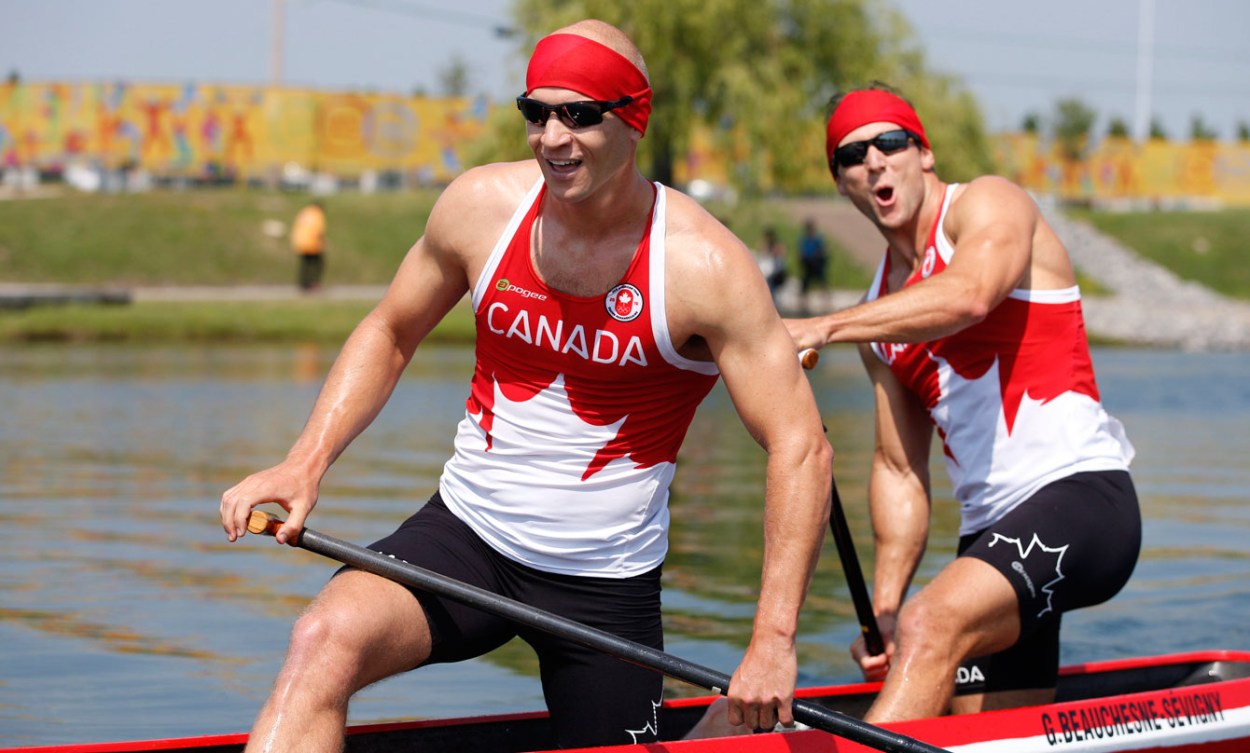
(809, 357)
(854, 576)
(811, 714)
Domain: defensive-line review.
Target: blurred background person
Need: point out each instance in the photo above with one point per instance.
(308, 241)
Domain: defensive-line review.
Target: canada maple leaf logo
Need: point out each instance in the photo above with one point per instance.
(624, 302)
(1036, 550)
(651, 728)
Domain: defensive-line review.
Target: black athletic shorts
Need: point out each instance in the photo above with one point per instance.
(594, 699)
(1072, 544)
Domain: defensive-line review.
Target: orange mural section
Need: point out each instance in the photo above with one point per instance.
(1156, 172)
(219, 131)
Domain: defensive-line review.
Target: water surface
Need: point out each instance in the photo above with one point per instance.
(125, 614)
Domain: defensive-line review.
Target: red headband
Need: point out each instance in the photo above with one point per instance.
(864, 106)
(570, 61)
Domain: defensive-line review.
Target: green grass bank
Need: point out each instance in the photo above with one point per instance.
(238, 237)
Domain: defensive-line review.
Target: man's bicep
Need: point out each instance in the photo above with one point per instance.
(428, 283)
(760, 367)
(993, 238)
(903, 430)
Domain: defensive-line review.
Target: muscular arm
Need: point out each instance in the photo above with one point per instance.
(898, 495)
(898, 490)
(433, 276)
(756, 359)
(992, 226)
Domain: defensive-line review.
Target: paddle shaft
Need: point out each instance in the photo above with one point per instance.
(809, 357)
(854, 576)
(811, 714)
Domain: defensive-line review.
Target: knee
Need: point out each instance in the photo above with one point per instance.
(321, 631)
(927, 627)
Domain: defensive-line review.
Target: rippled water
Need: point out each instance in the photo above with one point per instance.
(125, 614)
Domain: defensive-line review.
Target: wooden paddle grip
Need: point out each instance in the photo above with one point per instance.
(809, 357)
(263, 522)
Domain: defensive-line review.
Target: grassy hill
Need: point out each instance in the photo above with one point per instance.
(222, 237)
(238, 237)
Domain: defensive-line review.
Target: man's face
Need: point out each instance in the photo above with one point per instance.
(575, 161)
(887, 188)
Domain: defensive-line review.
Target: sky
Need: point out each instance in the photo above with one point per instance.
(1018, 57)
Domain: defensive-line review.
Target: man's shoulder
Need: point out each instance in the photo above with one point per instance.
(498, 181)
(478, 204)
(991, 188)
(689, 225)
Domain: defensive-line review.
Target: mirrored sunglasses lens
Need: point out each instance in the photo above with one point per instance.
(533, 111)
(891, 142)
(579, 114)
(852, 154)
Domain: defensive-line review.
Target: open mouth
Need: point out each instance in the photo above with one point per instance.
(884, 195)
(564, 165)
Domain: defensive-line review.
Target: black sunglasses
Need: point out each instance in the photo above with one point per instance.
(856, 152)
(572, 114)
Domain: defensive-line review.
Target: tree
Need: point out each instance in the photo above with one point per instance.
(1200, 131)
(1118, 128)
(454, 78)
(1157, 131)
(1031, 123)
(1073, 120)
(760, 73)
(1243, 132)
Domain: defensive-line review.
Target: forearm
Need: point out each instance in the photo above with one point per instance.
(900, 522)
(795, 519)
(926, 311)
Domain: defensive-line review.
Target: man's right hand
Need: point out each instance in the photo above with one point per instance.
(291, 488)
(806, 333)
(875, 668)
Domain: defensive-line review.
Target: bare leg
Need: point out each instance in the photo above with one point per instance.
(968, 610)
(715, 723)
(360, 629)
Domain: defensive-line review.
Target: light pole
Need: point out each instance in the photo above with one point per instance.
(275, 46)
(1145, 67)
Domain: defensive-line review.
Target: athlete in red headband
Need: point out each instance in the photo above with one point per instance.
(973, 325)
(607, 306)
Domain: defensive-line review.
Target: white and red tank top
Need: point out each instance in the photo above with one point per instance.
(1013, 397)
(575, 414)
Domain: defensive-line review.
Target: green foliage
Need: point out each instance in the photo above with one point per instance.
(760, 73)
(1117, 128)
(454, 79)
(1031, 123)
(1243, 131)
(1073, 120)
(1199, 130)
(1157, 130)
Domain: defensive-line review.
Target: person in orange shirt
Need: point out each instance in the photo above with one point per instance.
(308, 241)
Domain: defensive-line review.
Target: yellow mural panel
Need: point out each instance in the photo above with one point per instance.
(206, 131)
(217, 131)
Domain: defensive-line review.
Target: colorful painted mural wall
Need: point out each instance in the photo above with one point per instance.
(211, 130)
(214, 131)
(1118, 169)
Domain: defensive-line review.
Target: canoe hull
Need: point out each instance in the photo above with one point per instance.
(1183, 703)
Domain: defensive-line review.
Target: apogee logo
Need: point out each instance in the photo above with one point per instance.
(506, 287)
